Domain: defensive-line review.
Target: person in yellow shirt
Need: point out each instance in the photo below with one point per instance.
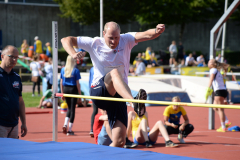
(38, 47)
(24, 48)
(148, 53)
(153, 61)
(48, 50)
(172, 115)
(138, 125)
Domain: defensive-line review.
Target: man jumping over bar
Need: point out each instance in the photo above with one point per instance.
(110, 56)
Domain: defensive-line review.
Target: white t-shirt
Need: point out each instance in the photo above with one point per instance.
(49, 70)
(200, 59)
(188, 59)
(105, 59)
(140, 69)
(173, 48)
(218, 83)
(35, 66)
(218, 59)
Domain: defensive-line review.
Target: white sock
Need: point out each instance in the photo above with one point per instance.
(226, 119)
(66, 121)
(70, 126)
(223, 125)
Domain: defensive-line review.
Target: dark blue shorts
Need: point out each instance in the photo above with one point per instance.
(115, 110)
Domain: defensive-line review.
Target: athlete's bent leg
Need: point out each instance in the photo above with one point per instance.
(158, 127)
(142, 133)
(118, 134)
(114, 83)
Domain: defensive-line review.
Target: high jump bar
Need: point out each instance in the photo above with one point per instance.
(148, 101)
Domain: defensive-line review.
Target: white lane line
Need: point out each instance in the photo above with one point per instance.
(228, 137)
(235, 145)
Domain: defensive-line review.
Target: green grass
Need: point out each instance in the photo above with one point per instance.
(31, 101)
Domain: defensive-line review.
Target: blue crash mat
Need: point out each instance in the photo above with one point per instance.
(27, 150)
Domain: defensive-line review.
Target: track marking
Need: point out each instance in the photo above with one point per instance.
(227, 137)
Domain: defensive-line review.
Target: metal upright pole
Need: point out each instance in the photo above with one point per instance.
(211, 114)
(101, 18)
(224, 34)
(55, 76)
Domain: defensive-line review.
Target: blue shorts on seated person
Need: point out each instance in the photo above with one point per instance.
(115, 110)
(103, 138)
(151, 142)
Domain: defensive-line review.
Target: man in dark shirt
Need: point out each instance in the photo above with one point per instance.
(11, 101)
(180, 53)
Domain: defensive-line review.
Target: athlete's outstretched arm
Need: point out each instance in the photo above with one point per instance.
(149, 34)
(68, 43)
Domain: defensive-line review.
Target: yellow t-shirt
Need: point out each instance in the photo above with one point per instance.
(135, 124)
(148, 56)
(174, 116)
(24, 50)
(39, 47)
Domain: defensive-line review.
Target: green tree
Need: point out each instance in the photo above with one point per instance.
(172, 12)
(88, 11)
(147, 12)
(219, 9)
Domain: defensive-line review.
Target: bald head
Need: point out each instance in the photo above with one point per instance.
(111, 34)
(111, 26)
(9, 58)
(9, 49)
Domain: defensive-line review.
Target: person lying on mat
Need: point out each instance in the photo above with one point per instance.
(101, 129)
(172, 115)
(138, 124)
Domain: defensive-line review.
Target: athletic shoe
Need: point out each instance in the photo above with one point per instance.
(221, 129)
(142, 95)
(70, 133)
(64, 129)
(228, 124)
(33, 95)
(181, 140)
(91, 134)
(148, 144)
(129, 144)
(170, 144)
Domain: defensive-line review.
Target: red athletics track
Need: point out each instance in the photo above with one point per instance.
(202, 143)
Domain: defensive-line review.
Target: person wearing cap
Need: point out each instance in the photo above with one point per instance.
(141, 69)
(38, 48)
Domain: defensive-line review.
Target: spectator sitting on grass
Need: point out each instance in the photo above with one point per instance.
(46, 100)
(141, 69)
(138, 56)
(153, 61)
(190, 61)
(175, 68)
(201, 61)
